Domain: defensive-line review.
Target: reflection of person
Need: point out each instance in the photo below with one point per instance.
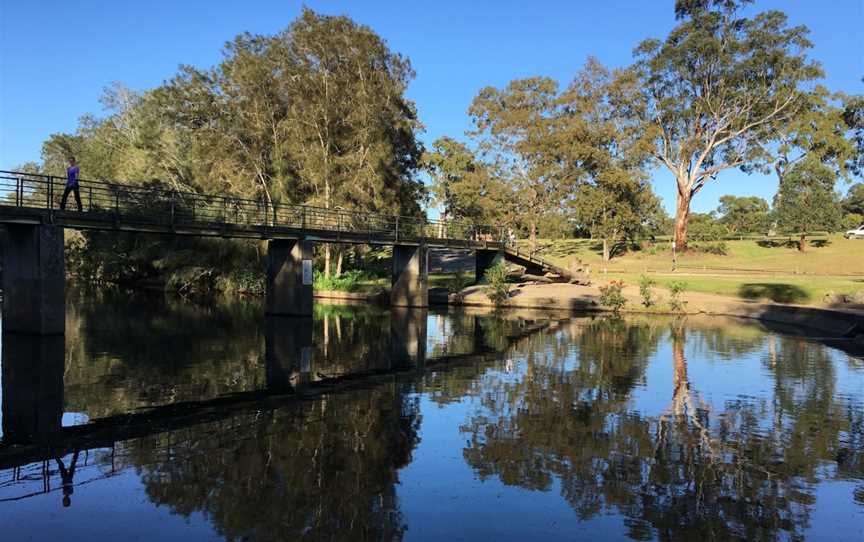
(66, 478)
(71, 184)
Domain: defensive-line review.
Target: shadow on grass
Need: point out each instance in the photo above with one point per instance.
(781, 293)
(791, 243)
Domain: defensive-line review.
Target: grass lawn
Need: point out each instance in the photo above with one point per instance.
(790, 289)
(749, 270)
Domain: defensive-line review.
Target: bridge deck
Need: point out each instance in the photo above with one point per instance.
(35, 199)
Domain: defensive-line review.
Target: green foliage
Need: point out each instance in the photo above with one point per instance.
(706, 227)
(718, 248)
(497, 288)
(718, 88)
(806, 201)
(462, 184)
(458, 281)
(676, 289)
(854, 200)
(349, 281)
(853, 115)
(851, 221)
(612, 295)
(744, 214)
(646, 290)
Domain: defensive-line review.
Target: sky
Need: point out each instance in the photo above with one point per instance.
(56, 57)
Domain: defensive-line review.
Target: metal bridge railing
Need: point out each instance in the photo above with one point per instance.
(155, 204)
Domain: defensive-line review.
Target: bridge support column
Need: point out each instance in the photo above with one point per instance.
(34, 280)
(484, 259)
(32, 387)
(410, 283)
(289, 278)
(408, 335)
(287, 352)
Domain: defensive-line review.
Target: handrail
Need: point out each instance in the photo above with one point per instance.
(174, 207)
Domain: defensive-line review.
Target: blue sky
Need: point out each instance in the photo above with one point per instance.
(57, 56)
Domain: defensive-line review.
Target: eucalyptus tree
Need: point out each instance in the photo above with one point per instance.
(806, 201)
(606, 150)
(717, 89)
(462, 184)
(516, 128)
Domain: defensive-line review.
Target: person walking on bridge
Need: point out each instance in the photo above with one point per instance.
(71, 185)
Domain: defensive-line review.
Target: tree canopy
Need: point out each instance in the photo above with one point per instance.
(716, 90)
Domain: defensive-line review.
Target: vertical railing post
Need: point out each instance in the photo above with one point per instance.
(303, 217)
(19, 192)
(50, 195)
(89, 198)
(274, 213)
(397, 228)
(173, 192)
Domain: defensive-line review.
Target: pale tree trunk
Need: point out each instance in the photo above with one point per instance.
(802, 246)
(682, 218)
(606, 256)
(339, 253)
(533, 236)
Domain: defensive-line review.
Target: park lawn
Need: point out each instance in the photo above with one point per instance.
(831, 256)
(782, 289)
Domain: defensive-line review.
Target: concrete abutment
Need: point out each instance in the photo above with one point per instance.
(34, 280)
(289, 278)
(410, 281)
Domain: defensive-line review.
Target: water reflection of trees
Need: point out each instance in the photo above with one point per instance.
(743, 469)
(319, 470)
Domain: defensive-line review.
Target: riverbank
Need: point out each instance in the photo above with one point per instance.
(834, 322)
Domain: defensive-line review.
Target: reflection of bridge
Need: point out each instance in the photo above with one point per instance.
(33, 394)
(33, 282)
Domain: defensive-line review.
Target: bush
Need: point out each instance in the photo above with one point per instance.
(852, 221)
(719, 248)
(497, 288)
(349, 281)
(675, 291)
(611, 295)
(457, 282)
(646, 290)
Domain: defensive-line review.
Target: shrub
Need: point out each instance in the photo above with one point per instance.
(497, 288)
(852, 221)
(611, 295)
(349, 281)
(457, 282)
(675, 290)
(719, 248)
(646, 290)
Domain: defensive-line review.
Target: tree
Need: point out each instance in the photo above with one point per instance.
(747, 214)
(706, 227)
(853, 115)
(463, 186)
(854, 200)
(513, 126)
(806, 201)
(717, 88)
(605, 153)
(816, 132)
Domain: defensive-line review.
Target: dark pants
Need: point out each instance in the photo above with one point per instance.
(66, 195)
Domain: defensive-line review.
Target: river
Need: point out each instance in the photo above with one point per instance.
(159, 419)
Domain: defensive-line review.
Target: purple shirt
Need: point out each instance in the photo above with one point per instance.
(72, 176)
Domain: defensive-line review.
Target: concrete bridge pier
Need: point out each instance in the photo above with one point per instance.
(410, 282)
(33, 279)
(32, 387)
(485, 259)
(289, 278)
(287, 352)
(408, 331)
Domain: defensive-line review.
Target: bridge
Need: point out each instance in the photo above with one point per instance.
(34, 270)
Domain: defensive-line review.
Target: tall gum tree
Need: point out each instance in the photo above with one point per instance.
(717, 88)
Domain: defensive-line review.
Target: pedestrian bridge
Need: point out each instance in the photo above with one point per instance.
(33, 274)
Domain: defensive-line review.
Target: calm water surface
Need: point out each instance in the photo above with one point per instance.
(160, 420)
